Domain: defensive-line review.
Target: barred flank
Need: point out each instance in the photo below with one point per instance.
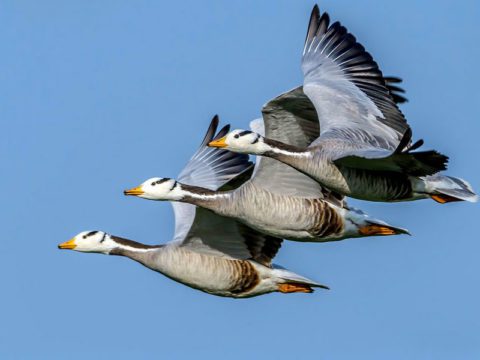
(327, 221)
(246, 277)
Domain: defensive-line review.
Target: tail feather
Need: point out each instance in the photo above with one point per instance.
(294, 279)
(447, 189)
(368, 226)
(380, 229)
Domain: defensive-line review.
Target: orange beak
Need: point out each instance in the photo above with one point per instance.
(219, 143)
(135, 191)
(68, 245)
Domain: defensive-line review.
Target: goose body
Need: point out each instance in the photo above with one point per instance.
(201, 271)
(360, 141)
(350, 181)
(209, 252)
(216, 274)
(278, 201)
(289, 217)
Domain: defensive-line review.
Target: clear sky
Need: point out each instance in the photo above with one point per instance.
(95, 97)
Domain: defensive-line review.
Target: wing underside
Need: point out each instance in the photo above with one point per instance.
(353, 100)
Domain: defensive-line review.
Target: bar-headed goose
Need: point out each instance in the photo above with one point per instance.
(209, 252)
(363, 147)
(278, 200)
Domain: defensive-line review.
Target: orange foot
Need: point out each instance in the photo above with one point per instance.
(370, 230)
(442, 199)
(290, 288)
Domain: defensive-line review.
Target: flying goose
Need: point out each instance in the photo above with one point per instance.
(362, 143)
(211, 253)
(278, 201)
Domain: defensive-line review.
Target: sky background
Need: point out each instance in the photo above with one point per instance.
(96, 97)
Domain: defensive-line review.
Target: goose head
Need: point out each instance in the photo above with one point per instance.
(90, 241)
(242, 141)
(157, 189)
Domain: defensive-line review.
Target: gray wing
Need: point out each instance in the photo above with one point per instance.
(202, 230)
(216, 235)
(290, 118)
(210, 168)
(352, 98)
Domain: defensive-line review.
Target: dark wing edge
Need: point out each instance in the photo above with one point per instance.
(263, 248)
(211, 167)
(295, 109)
(396, 92)
(357, 64)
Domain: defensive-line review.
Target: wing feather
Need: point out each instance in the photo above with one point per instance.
(347, 87)
(292, 119)
(219, 236)
(205, 232)
(209, 168)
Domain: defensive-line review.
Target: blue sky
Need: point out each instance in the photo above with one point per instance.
(98, 96)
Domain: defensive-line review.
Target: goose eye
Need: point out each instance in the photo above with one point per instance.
(236, 136)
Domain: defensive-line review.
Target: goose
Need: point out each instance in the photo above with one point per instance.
(278, 201)
(211, 253)
(361, 146)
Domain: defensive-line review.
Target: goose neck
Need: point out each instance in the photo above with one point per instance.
(204, 197)
(281, 151)
(139, 252)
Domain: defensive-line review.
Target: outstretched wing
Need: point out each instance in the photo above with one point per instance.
(209, 168)
(290, 118)
(212, 168)
(219, 236)
(206, 232)
(351, 96)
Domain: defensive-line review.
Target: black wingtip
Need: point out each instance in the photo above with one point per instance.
(416, 145)
(398, 99)
(407, 136)
(394, 88)
(393, 79)
(395, 91)
(212, 129)
(223, 131)
(215, 119)
(313, 23)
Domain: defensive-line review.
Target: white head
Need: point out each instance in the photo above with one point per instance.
(242, 141)
(157, 189)
(90, 241)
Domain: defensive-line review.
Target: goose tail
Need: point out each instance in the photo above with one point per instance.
(365, 225)
(289, 281)
(445, 189)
